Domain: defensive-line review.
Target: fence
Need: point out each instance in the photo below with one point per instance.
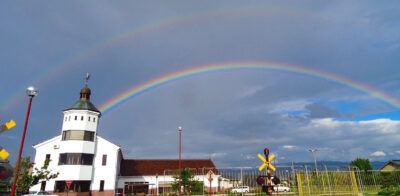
(300, 180)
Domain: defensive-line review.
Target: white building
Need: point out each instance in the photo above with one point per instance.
(94, 166)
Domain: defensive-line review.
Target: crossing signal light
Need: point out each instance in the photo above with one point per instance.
(6, 171)
(276, 180)
(260, 180)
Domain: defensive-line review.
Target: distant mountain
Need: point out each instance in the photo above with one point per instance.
(330, 164)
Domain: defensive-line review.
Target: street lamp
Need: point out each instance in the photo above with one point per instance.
(180, 161)
(31, 92)
(314, 151)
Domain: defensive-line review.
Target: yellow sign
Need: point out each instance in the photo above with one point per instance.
(3, 154)
(266, 163)
(8, 125)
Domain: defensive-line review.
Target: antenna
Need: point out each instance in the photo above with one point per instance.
(87, 78)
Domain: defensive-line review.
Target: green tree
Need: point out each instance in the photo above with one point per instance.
(27, 177)
(362, 164)
(189, 184)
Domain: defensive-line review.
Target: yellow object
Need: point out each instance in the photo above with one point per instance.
(355, 186)
(300, 185)
(266, 163)
(10, 124)
(3, 154)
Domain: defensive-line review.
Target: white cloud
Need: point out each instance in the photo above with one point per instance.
(378, 154)
(287, 106)
(250, 92)
(398, 151)
(218, 154)
(289, 147)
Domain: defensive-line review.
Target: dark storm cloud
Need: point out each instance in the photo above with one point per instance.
(318, 110)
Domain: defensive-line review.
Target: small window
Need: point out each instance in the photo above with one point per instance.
(104, 161)
(76, 117)
(69, 118)
(65, 119)
(43, 186)
(81, 117)
(94, 119)
(88, 119)
(101, 185)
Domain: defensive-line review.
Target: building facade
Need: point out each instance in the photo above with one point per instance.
(90, 165)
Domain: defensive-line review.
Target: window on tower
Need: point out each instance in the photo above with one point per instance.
(78, 135)
(89, 118)
(94, 119)
(76, 117)
(81, 117)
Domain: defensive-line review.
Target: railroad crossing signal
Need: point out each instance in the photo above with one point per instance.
(6, 126)
(6, 171)
(266, 163)
(3, 153)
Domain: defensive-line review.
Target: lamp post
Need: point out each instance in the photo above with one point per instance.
(314, 151)
(31, 92)
(180, 161)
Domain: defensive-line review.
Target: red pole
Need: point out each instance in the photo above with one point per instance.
(180, 161)
(21, 146)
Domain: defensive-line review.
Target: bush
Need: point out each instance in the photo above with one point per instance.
(397, 192)
(385, 192)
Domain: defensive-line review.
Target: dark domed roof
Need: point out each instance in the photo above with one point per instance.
(86, 90)
(84, 101)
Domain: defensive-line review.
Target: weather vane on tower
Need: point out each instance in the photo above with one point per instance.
(87, 78)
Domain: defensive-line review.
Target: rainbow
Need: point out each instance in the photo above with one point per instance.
(162, 80)
(46, 76)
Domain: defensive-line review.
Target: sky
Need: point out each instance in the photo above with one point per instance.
(328, 78)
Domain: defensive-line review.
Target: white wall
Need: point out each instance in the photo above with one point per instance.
(108, 172)
(154, 180)
(69, 122)
(41, 150)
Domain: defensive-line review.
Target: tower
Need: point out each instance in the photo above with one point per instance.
(77, 147)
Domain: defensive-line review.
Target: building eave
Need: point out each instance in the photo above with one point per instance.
(47, 141)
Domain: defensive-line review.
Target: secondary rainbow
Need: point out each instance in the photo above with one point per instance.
(137, 90)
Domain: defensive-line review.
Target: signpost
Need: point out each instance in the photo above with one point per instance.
(267, 165)
(68, 183)
(210, 176)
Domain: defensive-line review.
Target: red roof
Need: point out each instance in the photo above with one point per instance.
(143, 167)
